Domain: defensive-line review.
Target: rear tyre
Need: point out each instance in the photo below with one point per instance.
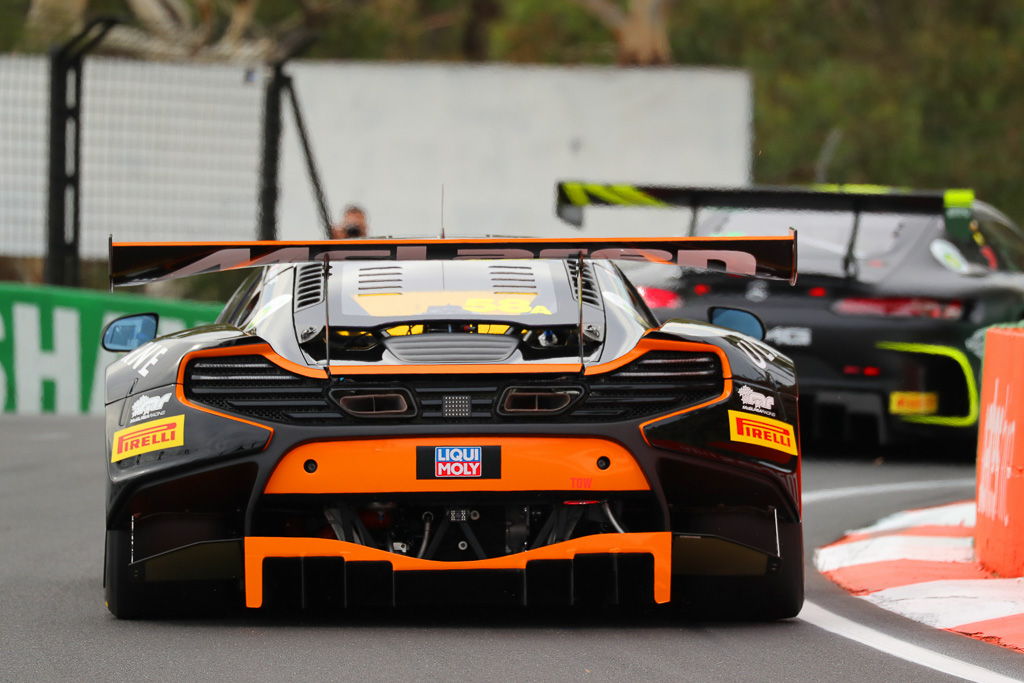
(777, 595)
(126, 597)
(129, 596)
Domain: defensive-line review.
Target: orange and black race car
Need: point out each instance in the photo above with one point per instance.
(482, 421)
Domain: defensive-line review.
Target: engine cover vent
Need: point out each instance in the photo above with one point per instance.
(443, 347)
(309, 285)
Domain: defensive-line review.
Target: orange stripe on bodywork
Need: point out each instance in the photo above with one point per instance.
(466, 369)
(645, 345)
(471, 241)
(251, 349)
(527, 464)
(657, 543)
(264, 350)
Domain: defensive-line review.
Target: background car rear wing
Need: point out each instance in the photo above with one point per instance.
(135, 263)
(954, 205)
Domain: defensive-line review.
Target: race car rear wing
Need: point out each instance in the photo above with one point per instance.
(954, 205)
(136, 263)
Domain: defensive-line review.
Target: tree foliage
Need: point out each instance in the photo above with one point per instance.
(923, 93)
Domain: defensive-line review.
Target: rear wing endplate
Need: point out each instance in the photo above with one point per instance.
(136, 263)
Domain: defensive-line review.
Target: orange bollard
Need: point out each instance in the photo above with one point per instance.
(999, 530)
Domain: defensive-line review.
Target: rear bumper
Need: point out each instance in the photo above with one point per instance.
(618, 568)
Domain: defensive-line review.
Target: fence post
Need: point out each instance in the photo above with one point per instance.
(63, 216)
(267, 229)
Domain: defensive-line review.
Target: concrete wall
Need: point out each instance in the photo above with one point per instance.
(172, 151)
(388, 136)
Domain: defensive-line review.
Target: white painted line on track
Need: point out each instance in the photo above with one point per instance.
(879, 489)
(841, 626)
(890, 548)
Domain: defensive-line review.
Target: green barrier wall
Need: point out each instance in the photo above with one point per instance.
(50, 356)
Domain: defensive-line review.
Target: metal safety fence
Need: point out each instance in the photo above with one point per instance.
(93, 146)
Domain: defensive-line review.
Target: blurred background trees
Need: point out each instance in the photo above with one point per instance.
(924, 93)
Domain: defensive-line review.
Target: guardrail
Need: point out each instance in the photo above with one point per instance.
(50, 356)
(999, 530)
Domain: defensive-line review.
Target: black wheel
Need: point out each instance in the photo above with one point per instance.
(776, 595)
(126, 597)
(129, 596)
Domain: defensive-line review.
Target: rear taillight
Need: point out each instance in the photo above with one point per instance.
(660, 298)
(900, 307)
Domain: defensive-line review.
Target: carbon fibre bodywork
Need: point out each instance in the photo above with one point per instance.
(638, 463)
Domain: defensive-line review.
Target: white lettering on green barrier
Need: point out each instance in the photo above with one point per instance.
(51, 360)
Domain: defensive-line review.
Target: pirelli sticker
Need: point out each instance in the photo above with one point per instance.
(762, 431)
(913, 403)
(155, 435)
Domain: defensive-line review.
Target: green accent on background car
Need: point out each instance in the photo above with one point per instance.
(959, 198)
(576, 194)
(579, 194)
(857, 188)
(635, 196)
(972, 387)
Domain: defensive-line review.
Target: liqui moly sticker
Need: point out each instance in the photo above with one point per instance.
(458, 461)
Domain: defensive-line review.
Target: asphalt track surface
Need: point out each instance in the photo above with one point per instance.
(53, 624)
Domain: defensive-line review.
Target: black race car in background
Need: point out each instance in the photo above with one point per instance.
(432, 422)
(886, 321)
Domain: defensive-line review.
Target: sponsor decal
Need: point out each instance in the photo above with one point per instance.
(146, 407)
(756, 402)
(458, 462)
(398, 304)
(155, 435)
(789, 336)
(913, 402)
(145, 357)
(758, 353)
(762, 431)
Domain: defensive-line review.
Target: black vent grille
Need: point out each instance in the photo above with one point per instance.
(452, 348)
(657, 383)
(590, 295)
(309, 285)
(253, 386)
(512, 278)
(374, 279)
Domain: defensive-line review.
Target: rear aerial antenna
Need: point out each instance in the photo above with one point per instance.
(442, 210)
(327, 317)
(579, 300)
